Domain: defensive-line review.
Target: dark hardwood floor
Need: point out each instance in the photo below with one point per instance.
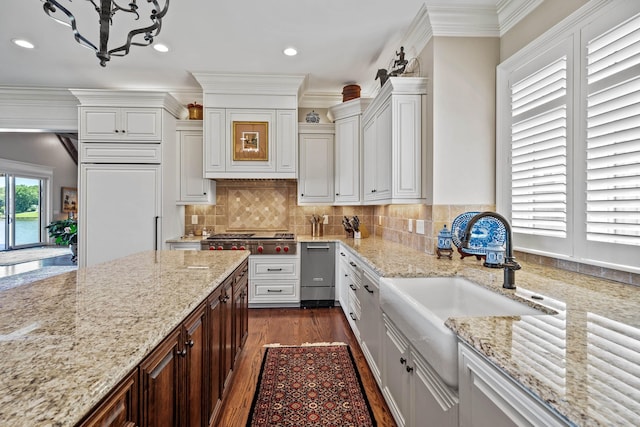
(293, 326)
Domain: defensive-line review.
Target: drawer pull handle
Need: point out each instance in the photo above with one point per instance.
(190, 343)
(274, 269)
(353, 264)
(352, 286)
(367, 288)
(403, 360)
(353, 316)
(274, 290)
(409, 369)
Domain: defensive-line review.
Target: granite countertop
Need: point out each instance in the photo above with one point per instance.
(583, 361)
(66, 341)
(187, 239)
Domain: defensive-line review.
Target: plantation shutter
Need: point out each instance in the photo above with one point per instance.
(613, 136)
(539, 151)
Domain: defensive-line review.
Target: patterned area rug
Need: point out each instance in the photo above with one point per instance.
(25, 255)
(311, 385)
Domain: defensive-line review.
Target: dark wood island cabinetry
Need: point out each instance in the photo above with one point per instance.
(183, 381)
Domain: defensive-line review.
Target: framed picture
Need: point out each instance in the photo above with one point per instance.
(251, 141)
(69, 199)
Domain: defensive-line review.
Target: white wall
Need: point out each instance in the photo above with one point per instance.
(463, 105)
(42, 149)
(545, 16)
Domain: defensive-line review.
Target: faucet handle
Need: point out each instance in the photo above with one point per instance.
(511, 264)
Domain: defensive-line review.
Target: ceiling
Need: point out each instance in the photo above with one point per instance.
(339, 42)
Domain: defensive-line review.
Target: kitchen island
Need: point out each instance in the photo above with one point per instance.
(67, 341)
(582, 363)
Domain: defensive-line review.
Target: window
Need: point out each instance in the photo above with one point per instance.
(568, 151)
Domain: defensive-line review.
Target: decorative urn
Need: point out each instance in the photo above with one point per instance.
(494, 256)
(444, 243)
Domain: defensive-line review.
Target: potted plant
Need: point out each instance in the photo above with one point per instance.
(65, 232)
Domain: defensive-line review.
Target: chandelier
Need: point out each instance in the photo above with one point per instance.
(106, 10)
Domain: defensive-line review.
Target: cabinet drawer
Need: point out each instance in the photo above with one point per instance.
(274, 291)
(281, 268)
(120, 153)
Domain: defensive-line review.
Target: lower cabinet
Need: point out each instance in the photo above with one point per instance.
(120, 406)
(370, 324)
(184, 380)
(275, 281)
(490, 398)
(416, 395)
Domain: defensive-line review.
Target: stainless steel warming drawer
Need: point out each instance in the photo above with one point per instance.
(317, 274)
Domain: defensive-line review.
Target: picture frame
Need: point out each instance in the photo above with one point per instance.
(250, 141)
(69, 199)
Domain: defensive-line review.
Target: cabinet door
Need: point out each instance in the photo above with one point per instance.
(383, 153)
(347, 160)
(160, 381)
(432, 402)
(141, 124)
(195, 369)
(287, 144)
(215, 140)
(370, 159)
(113, 192)
(226, 307)
(395, 378)
(315, 183)
(215, 332)
(100, 124)
(371, 323)
(407, 147)
(194, 188)
(240, 308)
(120, 408)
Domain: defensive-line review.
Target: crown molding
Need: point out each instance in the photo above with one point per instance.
(319, 100)
(250, 84)
(348, 108)
(510, 12)
(129, 98)
(38, 109)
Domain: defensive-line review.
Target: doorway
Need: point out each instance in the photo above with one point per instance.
(22, 210)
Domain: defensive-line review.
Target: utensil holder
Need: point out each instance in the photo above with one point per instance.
(317, 229)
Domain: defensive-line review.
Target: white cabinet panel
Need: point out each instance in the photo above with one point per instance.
(119, 211)
(347, 161)
(274, 281)
(287, 141)
(193, 187)
(215, 145)
(315, 182)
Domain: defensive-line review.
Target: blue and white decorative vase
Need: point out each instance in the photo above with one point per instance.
(495, 255)
(444, 238)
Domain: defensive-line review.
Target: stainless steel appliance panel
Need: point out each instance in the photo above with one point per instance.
(317, 274)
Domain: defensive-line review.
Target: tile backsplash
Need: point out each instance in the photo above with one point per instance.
(255, 205)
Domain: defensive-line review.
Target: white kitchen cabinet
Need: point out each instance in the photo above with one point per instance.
(370, 324)
(127, 124)
(377, 156)
(274, 281)
(215, 141)
(342, 277)
(348, 163)
(315, 179)
(287, 141)
(193, 187)
(395, 143)
(490, 398)
(120, 211)
(416, 395)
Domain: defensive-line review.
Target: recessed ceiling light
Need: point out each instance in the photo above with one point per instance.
(290, 51)
(23, 43)
(161, 47)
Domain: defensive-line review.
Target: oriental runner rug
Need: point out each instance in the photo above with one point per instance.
(313, 385)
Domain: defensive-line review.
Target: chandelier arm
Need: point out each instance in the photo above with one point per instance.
(133, 8)
(48, 8)
(157, 26)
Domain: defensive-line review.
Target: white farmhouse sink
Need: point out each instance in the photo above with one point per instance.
(420, 306)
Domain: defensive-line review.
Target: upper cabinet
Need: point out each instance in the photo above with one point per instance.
(250, 125)
(394, 143)
(102, 124)
(315, 180)
(347, 118)
(193, 188)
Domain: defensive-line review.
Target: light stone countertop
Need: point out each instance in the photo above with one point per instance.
(66, 341)
(583, 362)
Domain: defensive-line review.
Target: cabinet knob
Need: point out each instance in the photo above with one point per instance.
(403, 360)
(409, 369)
(123, 131)
(182, 352)
(190, 343)
(117, 131)
(301, 195)
(337, 194)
